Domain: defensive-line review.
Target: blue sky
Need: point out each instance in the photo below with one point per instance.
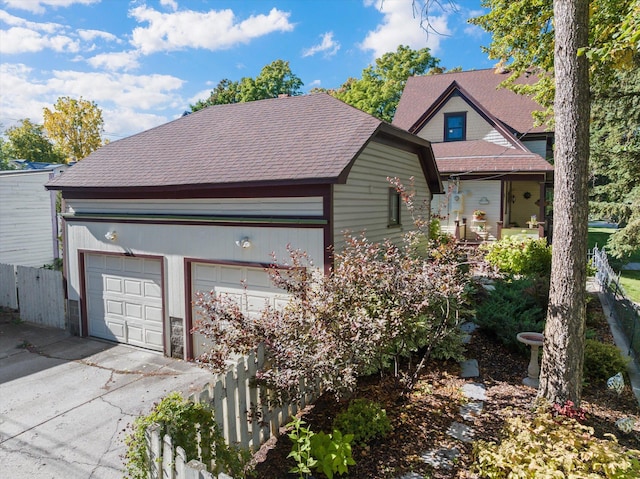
(145, 61)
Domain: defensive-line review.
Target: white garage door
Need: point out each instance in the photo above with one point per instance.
(124, 300)
(229, 280)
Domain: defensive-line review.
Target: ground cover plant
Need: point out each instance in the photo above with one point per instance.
(420, 420)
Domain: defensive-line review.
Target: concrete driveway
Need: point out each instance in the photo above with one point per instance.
(66, 402)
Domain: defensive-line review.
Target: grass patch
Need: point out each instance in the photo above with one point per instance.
(599, 236)
(630, 281)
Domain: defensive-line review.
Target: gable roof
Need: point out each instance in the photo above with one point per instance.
(480, 156)
(511, 109)
(282, 141)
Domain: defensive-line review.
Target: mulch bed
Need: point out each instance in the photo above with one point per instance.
(421, 419)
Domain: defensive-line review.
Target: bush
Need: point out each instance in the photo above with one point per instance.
(601, 361)
(380, 303)
(550, 446)
(514, 255)
(364, 419)
(186, 422)
(514, 306)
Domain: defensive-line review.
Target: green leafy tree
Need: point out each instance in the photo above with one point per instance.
(274, 79)
(4, 155)
(225, 92)
(27, 141)
(615, 157)
(75, 126)
(380, 88)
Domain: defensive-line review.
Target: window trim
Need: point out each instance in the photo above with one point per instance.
(460, 114)
(394, 207)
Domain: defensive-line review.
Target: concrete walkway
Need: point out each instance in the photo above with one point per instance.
(66, 402)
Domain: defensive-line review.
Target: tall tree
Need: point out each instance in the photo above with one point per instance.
(615, 157)
(75, 126)
(274, 79)
(561, 373)
(27, 141)
(380, 88)
(4, 155)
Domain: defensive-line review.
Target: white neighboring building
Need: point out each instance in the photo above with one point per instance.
(28, 221)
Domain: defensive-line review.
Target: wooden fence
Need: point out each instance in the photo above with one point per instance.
(37, 293)
(241, 411)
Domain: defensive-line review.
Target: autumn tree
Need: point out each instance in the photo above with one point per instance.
(27, 141)
(274, 79)
(380, 88)
(75, 126)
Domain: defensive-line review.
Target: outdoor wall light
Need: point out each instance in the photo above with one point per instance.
(111, 235)
(243, 243)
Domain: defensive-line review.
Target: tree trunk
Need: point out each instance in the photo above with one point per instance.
(561, 374)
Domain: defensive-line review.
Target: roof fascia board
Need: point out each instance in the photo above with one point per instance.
(245, 190)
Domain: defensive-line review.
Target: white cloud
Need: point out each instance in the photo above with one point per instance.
(13, 21)
(89, 35)
(314, 83)
(130, 103)
(20, 40)
(38, 6)
(327, 45)
(212, 30)
(172, 4)
(115, 61)
(401, 27)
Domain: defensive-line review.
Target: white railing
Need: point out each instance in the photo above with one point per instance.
(242, 412)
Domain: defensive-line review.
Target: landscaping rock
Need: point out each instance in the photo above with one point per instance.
(475, 391)
(461, 432)
(471, 410)
(469, 369)
(441, 458)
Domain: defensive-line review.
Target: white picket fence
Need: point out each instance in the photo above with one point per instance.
(37, 293)
(241, 411)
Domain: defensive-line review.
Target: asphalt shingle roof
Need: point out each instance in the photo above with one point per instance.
(511, 109)
(293, 139)
(477, 156)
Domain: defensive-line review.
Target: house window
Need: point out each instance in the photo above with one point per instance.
(455, 126)
(394, 207)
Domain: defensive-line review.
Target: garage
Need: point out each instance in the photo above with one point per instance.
(249, 286)
(124, 300)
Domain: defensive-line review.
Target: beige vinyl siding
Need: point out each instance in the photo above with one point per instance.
(477, 127)
(27, 219)
(361, 205)
(473, 193)
(306, 206)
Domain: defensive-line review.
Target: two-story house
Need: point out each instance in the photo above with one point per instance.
(488, 149)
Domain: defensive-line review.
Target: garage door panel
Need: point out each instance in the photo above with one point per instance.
(228, 280)
(112, 285)
(152, 290)
(112, 263)
(114, 307)
(153, 314)
(133, 287)
(124, 303)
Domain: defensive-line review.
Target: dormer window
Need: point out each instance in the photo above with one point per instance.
(455, 126)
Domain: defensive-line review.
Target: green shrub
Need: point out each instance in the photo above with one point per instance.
(521, 256)
(601, 361)
(328, 454)
(186, 422)
(514, 306)
(332, 452)
(364, 419)
(550, 446)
